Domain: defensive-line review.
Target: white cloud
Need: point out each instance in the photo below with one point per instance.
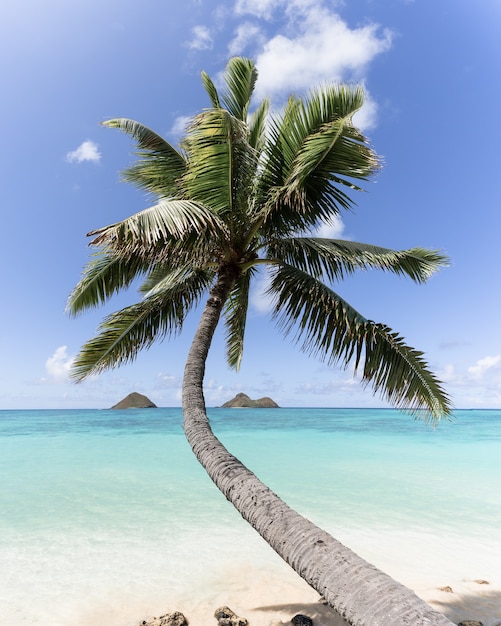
(58, 365)
(86, 151)
(331, 230)
(202, 38)
(366, 117)
(316, 46)
(321, 48)
(169, 381)
(246, 34)
(482, 366)
(476, 386)
(179, 126)
(259, 8)
(340, 383)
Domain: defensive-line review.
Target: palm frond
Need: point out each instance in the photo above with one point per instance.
(104, 275)
(240, 77)
(169, 229)
(159, 166)
(329, 103)
(165, 277)
(312, 158)
(211, 90)
(235, 312)
(401, 375)
(333, 330)
(123, 334)
(334, 259)
(257, 126)
(221, 164)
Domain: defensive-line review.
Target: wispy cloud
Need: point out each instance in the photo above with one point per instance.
(246, 35)
(58, 365)
(333, 382)
(179, 126)
(86, 151)
(331, 230)
(202, 38)
(168, 381)
(259, 8)
(478, 385)
(482, 366)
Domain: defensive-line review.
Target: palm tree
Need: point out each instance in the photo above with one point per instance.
(244, 191)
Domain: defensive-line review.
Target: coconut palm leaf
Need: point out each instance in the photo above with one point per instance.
(221, 175)
(165, 277)
(257, 126)
(146, 138)
(240, 77)
(123, 334)
(159, 166)
(331, 329)
(210, 88)
(335, 258)
(328, 149)
(401, 375)
(330, 103)
(104, 275)
(182, 227)
(313, 155)
(235, 312)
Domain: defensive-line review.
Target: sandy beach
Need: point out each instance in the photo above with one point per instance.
(459, 577)
(272, 595)
(265, 601)
(270, 603)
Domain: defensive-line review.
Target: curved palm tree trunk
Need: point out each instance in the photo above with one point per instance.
(361, 593)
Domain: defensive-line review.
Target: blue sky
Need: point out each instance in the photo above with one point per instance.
(431, 74)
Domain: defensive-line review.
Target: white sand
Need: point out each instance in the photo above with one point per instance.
(466, 586)
(123, 583)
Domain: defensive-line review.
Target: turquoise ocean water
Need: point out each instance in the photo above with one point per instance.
(105, 509)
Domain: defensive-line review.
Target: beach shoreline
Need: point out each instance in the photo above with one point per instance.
(265, 601)
(269, 594)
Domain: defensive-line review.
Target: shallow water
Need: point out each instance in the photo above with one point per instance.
(109, 511)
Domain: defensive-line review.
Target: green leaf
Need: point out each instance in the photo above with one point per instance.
(167, 277)
(210, 88)
(222, 165)
(104, 276)
(335, 258)
(257, 126)
(123, 334)
(333, 330)
(240, 77)
(235, 312)
(170, 229)
(159, 166)
(312, 157)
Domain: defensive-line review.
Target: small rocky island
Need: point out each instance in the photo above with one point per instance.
(135, 401)
(242, 400)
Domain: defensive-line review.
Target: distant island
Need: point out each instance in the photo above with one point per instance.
(135, 401)
(242, 400)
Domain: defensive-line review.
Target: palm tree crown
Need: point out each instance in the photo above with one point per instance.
(243, 190)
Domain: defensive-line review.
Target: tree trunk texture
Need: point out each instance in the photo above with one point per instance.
(362, 594)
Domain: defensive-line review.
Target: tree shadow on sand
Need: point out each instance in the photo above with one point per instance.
(483, 605)
(319, 613)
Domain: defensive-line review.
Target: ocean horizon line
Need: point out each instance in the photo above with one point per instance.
(354, 408)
